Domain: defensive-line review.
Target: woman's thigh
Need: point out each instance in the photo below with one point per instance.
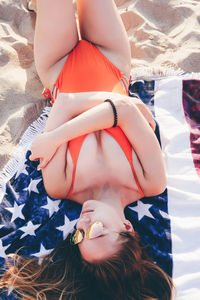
(101, 24)
(55, 34)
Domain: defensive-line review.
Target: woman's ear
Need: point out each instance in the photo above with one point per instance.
(128, 226)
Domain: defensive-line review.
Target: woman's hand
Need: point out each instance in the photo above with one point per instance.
(43, 148)
(145, 112)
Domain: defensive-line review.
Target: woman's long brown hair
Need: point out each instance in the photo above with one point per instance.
(128, 275)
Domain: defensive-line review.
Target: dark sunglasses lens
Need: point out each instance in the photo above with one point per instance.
(76, 237)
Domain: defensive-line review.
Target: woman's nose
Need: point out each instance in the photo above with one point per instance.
(83, 222)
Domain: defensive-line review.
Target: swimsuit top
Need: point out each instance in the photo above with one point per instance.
(87, 69)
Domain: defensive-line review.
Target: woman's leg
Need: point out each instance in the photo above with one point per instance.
(101, 24)
(55, 34)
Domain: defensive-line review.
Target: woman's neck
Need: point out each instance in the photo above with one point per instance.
(111, 195)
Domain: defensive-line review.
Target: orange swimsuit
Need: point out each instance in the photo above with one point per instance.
(87, 69)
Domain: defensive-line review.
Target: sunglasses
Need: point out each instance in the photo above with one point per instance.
(95, 230)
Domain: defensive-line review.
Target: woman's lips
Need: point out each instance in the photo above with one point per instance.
(87, 207)
(84, 211)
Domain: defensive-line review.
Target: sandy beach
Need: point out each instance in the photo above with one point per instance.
(163, 35)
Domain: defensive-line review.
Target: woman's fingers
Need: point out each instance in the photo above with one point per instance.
(43, 164)
(35, 159)
(32, 157)
(146, 113)
(43, 161)
(151, 121)
(153, 125)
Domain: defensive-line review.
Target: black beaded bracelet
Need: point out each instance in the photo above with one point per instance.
(114, 111)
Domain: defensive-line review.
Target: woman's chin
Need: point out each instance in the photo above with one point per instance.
(89, 204)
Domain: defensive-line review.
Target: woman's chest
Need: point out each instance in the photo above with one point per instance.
(101, 161)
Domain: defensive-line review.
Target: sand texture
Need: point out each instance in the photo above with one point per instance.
(162, 33)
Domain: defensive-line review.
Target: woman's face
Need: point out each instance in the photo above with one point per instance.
(108, 243)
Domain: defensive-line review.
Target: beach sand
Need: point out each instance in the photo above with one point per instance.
(163, 34)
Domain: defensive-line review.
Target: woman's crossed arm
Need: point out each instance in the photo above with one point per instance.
(92, 115)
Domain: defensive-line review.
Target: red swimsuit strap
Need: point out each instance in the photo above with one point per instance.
(74, 148)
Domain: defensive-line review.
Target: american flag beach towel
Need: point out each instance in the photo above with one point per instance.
(33, 223)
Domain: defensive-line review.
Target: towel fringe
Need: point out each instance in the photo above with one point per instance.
(155, 73)
(19, 152)
(158, 73)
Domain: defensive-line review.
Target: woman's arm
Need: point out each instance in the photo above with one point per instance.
(77, 103)
(68, 106)
(137, 130)
(45, 145)
(146, 147)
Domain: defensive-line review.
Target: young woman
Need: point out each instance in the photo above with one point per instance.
(83, 158)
